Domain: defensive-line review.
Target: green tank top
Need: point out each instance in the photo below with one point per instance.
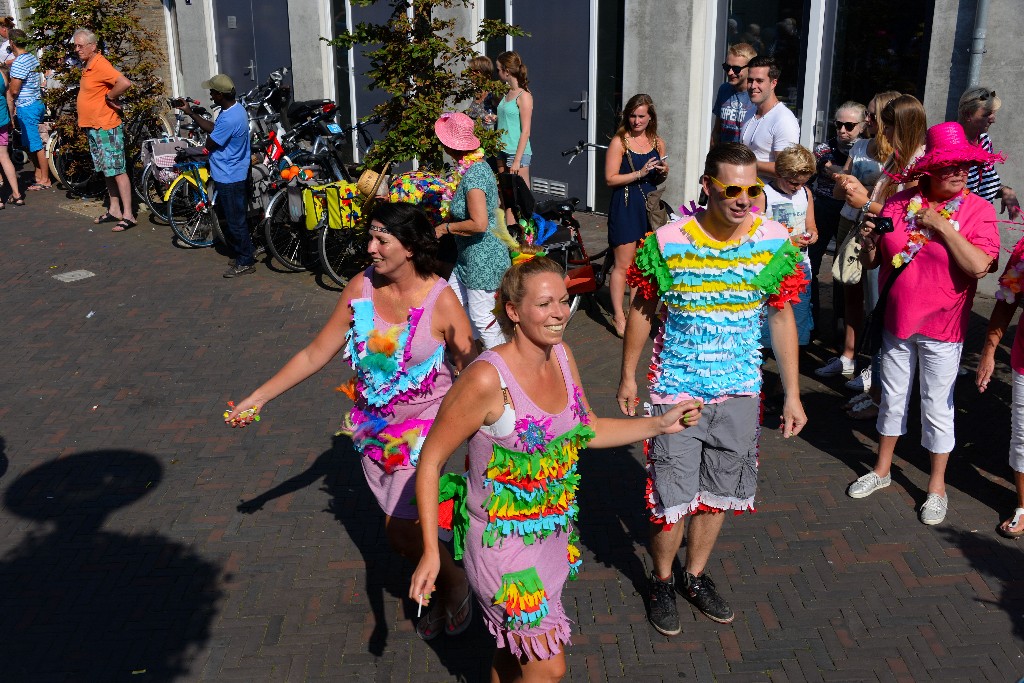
(511, 126)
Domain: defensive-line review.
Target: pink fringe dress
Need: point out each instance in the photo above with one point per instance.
(521, 504)
(401, 377)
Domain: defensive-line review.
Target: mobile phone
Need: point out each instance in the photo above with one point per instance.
(662, 160)
(883, 224)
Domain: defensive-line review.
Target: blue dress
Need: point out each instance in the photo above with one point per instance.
(627, 212)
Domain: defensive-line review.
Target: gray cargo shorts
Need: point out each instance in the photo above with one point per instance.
(712, 465)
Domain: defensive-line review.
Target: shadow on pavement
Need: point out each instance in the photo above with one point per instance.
(86, 604)
(996, 559)
(354, 506)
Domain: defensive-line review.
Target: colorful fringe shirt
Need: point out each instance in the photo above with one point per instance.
(388, 375)
(713, 294)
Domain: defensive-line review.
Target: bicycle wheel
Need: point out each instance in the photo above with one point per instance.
(75, 170)
(191, 218)
(153, 189)
(340, 253)
(285, 237)
(52, 145)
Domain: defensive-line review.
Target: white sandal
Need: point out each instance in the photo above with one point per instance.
(1005, 533)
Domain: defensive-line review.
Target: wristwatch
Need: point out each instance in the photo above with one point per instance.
(866, 206)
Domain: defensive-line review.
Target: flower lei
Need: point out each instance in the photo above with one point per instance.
(455, 177)
(1010, 283)
(918, 237)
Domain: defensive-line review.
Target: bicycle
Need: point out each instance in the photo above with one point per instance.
(190, 201)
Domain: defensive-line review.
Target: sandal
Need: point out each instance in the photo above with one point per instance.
(867, 410)
(123, 224)
(452, 629)
(16, 201)
(426, 629)
(855, 402)
(36, 187)
(1004, 528)
(107, 218)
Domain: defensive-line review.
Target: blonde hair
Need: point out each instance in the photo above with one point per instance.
(910, 126)
(795, 160)
(634, 103)
(883, 145)
(977, 98)
(742, 50)
(513, 65)
(512, 289)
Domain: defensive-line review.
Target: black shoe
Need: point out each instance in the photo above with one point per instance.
(236, 270)
(701, 592)
(663, 614)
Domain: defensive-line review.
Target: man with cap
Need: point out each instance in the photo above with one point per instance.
(228, 143)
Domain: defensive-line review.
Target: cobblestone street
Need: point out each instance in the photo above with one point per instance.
(142, 540)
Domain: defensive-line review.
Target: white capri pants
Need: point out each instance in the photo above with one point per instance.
(939, 363)
(1017, 424)
(479, 305)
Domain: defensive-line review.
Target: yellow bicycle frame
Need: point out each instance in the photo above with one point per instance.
(204, 175)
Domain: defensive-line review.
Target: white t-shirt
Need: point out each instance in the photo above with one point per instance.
(770, 134)
(6, 56)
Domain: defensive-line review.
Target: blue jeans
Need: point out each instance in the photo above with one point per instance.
(233, 198)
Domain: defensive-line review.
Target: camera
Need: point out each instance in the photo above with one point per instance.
(883, 224)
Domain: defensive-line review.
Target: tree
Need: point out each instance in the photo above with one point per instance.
(419, 60)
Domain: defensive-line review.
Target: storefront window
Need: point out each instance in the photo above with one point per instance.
(880, 45)
(775, 28)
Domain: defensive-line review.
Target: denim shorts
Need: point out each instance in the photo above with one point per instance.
(509, 158)
(30, 116)
(107, 148)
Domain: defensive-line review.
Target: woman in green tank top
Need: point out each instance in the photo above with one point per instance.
(515, 117)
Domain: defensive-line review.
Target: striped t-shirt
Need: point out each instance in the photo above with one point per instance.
(26, 67)
(984, 180)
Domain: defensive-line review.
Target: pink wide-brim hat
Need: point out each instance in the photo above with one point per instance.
(455, 131)
(945, 145)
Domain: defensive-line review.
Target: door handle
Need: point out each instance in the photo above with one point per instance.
(584, 103)
(251, 70)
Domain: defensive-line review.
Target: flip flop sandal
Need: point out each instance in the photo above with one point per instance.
(428, 629)
(1014, 521)
(867, 410)
(458, 629)
(856, 400)
(123, 225)
(107, 218)
(36, 187)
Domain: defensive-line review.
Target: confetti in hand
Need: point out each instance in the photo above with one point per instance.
(243, 418)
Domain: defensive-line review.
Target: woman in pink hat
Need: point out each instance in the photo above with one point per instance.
(944, 239)
(483, 257)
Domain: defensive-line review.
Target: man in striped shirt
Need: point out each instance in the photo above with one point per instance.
(976, 112)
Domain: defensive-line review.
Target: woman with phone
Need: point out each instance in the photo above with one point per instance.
(945, 239)
(634, 166)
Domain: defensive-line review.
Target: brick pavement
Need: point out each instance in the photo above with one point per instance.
(142, 540)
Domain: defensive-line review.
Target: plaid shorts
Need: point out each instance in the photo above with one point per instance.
(107, 148)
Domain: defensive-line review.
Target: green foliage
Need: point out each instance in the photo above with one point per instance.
(122, 38)
(417, 58)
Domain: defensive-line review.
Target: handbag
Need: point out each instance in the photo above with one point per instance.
(657, 214)
(846, 266)
(874, 324)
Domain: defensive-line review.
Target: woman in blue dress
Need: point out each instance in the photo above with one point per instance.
(632, 167)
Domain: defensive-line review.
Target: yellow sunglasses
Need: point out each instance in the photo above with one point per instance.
(733, 191)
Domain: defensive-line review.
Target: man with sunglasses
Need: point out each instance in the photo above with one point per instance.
(713, 276)
(773, 127)
(732, 103)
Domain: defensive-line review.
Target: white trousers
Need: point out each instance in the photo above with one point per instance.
(939, 363)
(1017, 424)
(479, 305)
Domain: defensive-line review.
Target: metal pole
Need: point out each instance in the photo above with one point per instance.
(978, 44)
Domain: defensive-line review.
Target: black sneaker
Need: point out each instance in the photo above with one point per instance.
(702, 594)
(236, 270)
(663, 614)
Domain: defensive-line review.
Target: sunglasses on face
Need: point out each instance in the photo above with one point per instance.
(733, 68)
(985, 96)
(845, 125)
(733, 191)
(954, 169)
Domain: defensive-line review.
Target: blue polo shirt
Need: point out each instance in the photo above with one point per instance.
(229, 153)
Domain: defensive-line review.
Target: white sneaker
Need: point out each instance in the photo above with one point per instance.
(840, 365)
(862, 382)
(868, 484)
(934, 509)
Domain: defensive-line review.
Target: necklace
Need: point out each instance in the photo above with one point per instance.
(917, 237)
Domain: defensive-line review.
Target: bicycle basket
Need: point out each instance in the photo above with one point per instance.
(343, 205)
(161, 151)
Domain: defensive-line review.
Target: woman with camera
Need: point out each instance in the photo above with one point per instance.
(943, 240)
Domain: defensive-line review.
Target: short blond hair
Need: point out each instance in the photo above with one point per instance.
(742, 50)
(795, 160)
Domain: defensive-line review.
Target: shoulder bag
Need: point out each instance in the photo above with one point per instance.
(657, 215)
(846, 266)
